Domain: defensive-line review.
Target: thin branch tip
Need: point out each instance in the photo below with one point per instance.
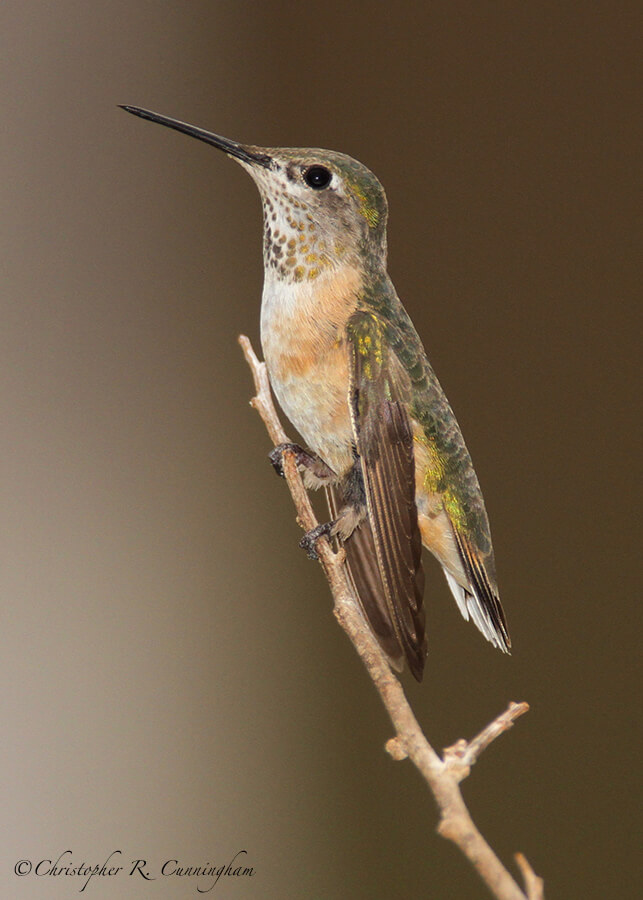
(534, 885)
(463, 754)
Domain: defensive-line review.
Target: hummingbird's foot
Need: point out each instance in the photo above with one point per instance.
(276, 456)
(314, 470)
(311, 537)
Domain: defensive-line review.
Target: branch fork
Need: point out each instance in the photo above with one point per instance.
(442, 774)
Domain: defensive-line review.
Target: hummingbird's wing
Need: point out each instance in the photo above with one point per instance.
(448, 473)
(365, 579)
(384, 554)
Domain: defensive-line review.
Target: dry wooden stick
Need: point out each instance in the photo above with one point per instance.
(442, 775)
(535, 886)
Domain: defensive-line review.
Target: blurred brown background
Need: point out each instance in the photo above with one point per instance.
(173, 682)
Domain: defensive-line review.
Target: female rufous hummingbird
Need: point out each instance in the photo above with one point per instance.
(351, 374)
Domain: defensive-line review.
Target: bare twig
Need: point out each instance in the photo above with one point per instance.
(535, 885)
(463, 754)
(442, 775)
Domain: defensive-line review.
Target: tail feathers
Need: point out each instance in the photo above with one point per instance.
(471, 606)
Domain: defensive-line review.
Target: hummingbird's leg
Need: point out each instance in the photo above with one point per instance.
(313, 469)
(350, 516)
(311, 537)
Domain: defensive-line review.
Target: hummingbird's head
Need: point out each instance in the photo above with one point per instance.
(322, 209)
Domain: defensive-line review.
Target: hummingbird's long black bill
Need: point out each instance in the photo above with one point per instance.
(232, 148)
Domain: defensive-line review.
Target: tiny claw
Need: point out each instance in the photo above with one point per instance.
(277, 461)
(313, 470)
(311, 537)
(276, 456)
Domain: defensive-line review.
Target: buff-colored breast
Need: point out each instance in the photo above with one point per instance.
(303, 337)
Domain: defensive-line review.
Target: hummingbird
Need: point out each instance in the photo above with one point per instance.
(351, 374)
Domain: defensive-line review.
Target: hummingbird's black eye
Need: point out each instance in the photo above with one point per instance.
(317, 177)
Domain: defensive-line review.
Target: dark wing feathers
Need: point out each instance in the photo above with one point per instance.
(390, 557)
(366, 581)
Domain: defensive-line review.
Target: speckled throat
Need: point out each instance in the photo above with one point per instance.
(293, 248)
